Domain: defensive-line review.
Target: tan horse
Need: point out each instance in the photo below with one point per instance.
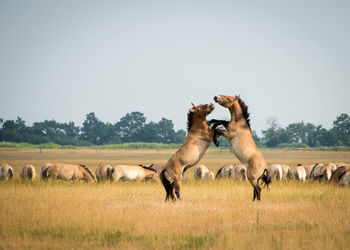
(239, 172)
(6, 171)
(341, 175)
(308, 169)
(321, 172)
(276, 171)
(199, 138)
(201, 172)
(133, 172)
(103, 172)
(224, 172)
(239, 134)
(299, 173)
(69, 172)
(28, 172)
(43, 171)
(287, 172)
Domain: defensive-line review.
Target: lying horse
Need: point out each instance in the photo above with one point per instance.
(28, 172)
(68, 172)
(133, 172)
(103, 172)
(199, 138)
(239, 134)
(6, 171)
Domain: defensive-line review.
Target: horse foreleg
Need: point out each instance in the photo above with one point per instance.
(177, 186)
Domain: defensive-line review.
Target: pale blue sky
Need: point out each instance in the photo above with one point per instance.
(63, 59)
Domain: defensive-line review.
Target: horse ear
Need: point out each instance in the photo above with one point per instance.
(237, 97)
(194, 106)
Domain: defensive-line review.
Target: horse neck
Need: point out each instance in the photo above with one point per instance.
(236, 112)
(199, 122)
(87, 175)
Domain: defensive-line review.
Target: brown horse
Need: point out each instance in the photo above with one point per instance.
(239, 134)
(199, 138)
(68, 172)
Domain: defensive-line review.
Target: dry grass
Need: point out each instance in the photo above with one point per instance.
(216, 215)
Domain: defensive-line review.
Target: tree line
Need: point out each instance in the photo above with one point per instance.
(133, 128)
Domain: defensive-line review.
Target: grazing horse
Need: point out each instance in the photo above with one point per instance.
(69, 172)
(341, 175)
(224, 171)
(199, 138)
(43, 171)
(133, 172)
(276, 171)
(239, 134)
(321, 172)
(299, 173)
(6, 171)
(287, 172)
(239, 172)
(28, 172)
(308, 169)
(103, 172)
(201, 172)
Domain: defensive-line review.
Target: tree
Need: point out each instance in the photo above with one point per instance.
(130, 126)
(95, 131)
(341, 130)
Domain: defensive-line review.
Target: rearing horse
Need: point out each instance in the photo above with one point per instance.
(239, 134)
(198, 139)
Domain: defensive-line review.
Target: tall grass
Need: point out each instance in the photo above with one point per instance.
(215, 215)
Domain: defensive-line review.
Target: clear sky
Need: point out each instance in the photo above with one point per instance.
(63, 59)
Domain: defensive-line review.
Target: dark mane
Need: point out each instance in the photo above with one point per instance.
(189, 120)
(148, 168)
(245, 112)
(88, 170)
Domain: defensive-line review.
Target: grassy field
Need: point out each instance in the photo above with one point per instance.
(211, 215)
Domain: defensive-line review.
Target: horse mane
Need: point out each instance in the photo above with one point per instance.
(88, 170)
(149, 168)
(245, 112)
(189, 120)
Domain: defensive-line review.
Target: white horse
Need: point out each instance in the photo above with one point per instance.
(133, 172)
(6, 171)
(28, 172)
(276, 171)
(299, 173)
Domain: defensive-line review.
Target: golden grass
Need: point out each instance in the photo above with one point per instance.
(215, 215)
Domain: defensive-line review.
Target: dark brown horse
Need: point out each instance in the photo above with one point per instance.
(239, 134)
(198, 139)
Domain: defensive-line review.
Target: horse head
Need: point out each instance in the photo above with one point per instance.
(202, 109)
(225, 100)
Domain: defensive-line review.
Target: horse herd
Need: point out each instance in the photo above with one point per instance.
(200, 134)
(338, 173)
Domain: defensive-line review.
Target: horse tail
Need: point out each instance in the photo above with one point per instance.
(166, 183)
(244, 173)
(265, 178)
(10, 172)
(313, 170)
(148, 168)
(45, 173)
(184, 171)
(109, 173)
(30, 173)
(218, 173)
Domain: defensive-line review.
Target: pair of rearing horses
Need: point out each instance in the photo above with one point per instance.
(200, 135)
